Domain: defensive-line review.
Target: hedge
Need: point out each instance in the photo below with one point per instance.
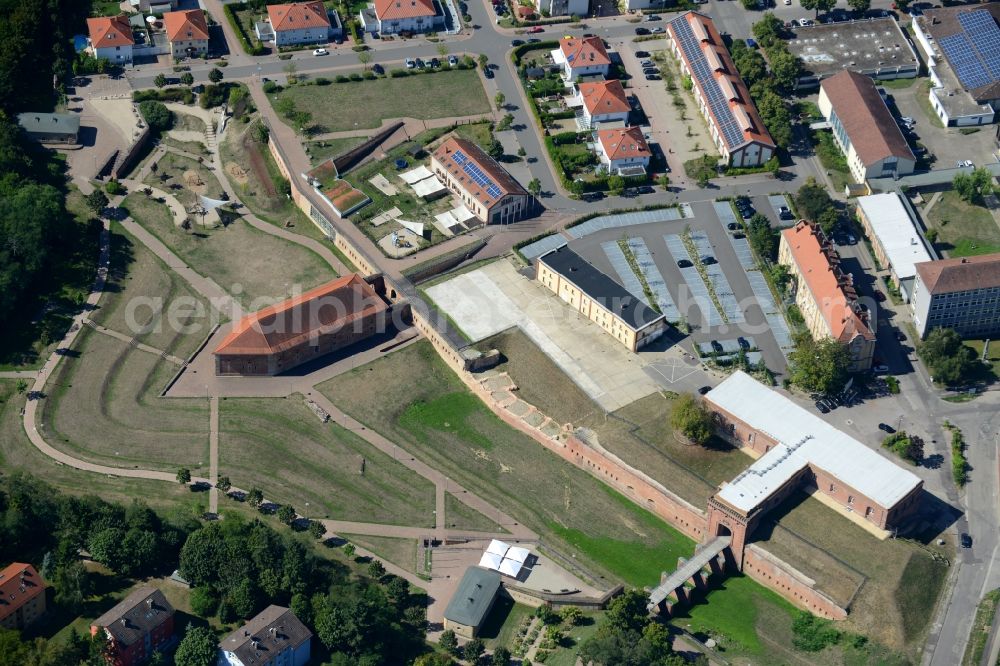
(250, 47)
(182, 95)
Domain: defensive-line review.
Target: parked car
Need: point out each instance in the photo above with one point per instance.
(708, 260)
(592, 196)
(410, 64)
(733, 226)
(751, 42)
(851, 240)
(717, 346)
(533, 40)
(435, 63)
(319, 52)
(647, 63)
(650, 70)
(420, 63)
(641, 31)
(658, 30)
(784, 213)
(886, 428)
(653, 17)
(965, 540)
(652, 77)
(378, 69)
(822, 407)
(880, 369)
(642, 54)
(907, 120)
(684, 263)
(901, 336)
(645, 189)
(744, 343)
(739, 234)
(453, 60)
(879, 296)
(704, 389)
(516, 42)
(488, 73)
(534, 30)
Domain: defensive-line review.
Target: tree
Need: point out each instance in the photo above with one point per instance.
(818, 5)
(819, 366)
(473, 650)
(204, 601)
(931, 235)
(286, 514)
(364, 57)
(903, 5)
(157, 115)
(197, 648)
(449, 641)
(215, 75)
(442, 49)
(97, 201)
(946, 357)
(571, 615)
(628, 612)
(972, 186)
(434, 659)
(495, 149)
(690, 417)
(616, 185)
(535, 187)
(785, 66)
(349, 550)
(183, 475)
(499, 99)
(505, 122)
(255, 497)
(21, 386)
(859, 6)
(768, 30)
(376, 569)
(501, 656)
(398, 588)
(664, 182)
(776, 116)
(290, 70)
(483, 60)
(546, 614)
(160, 80)
(812, 199)
(316, 529)
(223, 484)
(828, 220)
(187, 78)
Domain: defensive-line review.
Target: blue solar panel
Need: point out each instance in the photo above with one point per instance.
(974, 54)
(985, 36)
(476, 174)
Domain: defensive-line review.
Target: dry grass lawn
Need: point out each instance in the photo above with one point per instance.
(399, 551)
(245, 262)
(460, 516)
(280, 445)
(170, 177)
(963, 229)
(103, 406)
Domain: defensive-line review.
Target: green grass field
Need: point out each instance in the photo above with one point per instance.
(366, 104)
(398, 551)
(320, 151)
(500, 626)
(963, 229)
(245, 262)
(461, 516)
(280, 445)
(413, 398)
(103, 406)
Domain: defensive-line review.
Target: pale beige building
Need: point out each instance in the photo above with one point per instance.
(599, 298)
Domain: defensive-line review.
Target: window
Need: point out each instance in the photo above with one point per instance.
(833, 488)
(850, 500)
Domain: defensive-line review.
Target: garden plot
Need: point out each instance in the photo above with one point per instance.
(699, 290)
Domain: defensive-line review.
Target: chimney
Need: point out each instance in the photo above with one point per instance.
(149, 602)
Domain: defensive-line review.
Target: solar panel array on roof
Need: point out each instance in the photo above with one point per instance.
(476, 174)
(975, 53)
(703, 73)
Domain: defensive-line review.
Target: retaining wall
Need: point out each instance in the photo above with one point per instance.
(790, 583)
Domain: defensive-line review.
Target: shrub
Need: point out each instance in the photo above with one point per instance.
(113, 187)
(356, 76)
(399, 73)
(812, 634)
(157, 116)
(271, 87)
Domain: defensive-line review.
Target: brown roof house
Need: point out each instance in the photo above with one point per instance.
(623, 151)
(602, 102)
(274, 637)
(582, 56)
(962, 293)
(303, 328)
(864, 128)
(22, 596)
(296, 23)
(139, 625)
(187, 32)
(392, 17)
(111, 38)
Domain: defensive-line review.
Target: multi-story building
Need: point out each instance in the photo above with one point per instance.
(484, 187)
(623, 151)
(296, 23)
(961, 293)
(599, 298)
(303, 328)
(824, 294)
(22, 596)
(888, 222)
(391, 17)
(563, 7)
(136, 627)
(111, 38)
(723, 98)
(863, 127)
(601, 102)
(797, 450)
(582, 56)
(275, 637)
(187, 32)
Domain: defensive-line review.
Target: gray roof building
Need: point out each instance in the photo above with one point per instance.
(45, 126)
(136, 616)
(474, 597)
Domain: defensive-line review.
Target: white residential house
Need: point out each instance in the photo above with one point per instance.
(600, 102)
(111, 38)
(275, 637)
(296, 23)
(391, 17)
(582, 57)
(187, 32)
(564, 7)
(623, 151)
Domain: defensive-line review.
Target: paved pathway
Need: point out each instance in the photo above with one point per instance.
(130, 340)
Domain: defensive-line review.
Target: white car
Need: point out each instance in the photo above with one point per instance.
(319, 52)
(880, 369)
(788, 2)
(410, 64)
(453, 61)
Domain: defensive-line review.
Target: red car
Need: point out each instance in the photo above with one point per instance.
(537, 29)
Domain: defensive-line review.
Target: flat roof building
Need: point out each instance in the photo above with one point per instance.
(962, 47)
(484, 187)
(51, 127)
(599, 298)
(22, 596)
(303, 328)
(273, 637)
(722, 97)
(472, 601)
(961, 293)
(796, 449)
(824, 294)
(863, 127)
(875, 47)
(893, 232)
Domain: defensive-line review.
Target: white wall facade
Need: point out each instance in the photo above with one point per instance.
(301, 36)
(417, 24)
(179, 49)
(117, 55)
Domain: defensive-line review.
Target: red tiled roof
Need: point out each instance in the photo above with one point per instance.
(584, 52)
(960, 274)
(741, 107)
(623, 142)
(403, 9)
(297, 320)
(602, 97)
(19, 584)
(865, 117)
(185, 25)
(830, 289)
(298, 15)
(108, 31)
(489, 166)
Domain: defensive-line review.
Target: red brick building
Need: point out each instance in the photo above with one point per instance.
(301, 329)
(22, 596)
(140, 624)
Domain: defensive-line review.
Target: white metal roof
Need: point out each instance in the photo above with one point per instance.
(416, 175)
(490, 561)
(498, 547)
(891, 223)
(509, 567)
(518, 554)
(805, 439)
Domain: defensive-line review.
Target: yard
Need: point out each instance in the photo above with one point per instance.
(321, 469)
(104, 406)
(185, 178)
(412, 397)
(367, 104)
(963, 229)
(246, 262)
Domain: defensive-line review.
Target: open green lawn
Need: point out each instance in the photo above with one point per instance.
(245, 262)
(963, 229)
(399, 551)
(103, 406)
(136, 276)
(320, 151)
(575, 636)
(366, 104)
(500, 626)
(992, 354)
(413, 398)
(280, 445)
(461, 516)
